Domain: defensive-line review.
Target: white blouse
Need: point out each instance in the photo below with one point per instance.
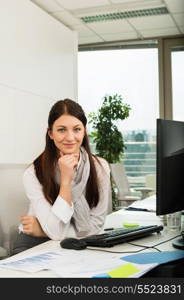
(55, 219)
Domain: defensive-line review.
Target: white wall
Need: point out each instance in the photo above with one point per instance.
(38, 66)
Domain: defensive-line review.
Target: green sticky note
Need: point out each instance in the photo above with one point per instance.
(130, 225)
(123, 271)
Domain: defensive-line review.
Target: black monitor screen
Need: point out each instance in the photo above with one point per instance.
(170, 166)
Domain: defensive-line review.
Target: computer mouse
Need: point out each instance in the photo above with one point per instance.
(72, 243)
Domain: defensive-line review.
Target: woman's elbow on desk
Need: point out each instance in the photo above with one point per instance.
(59, 232)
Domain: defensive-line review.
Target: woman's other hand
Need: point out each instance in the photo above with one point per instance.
(32, 226)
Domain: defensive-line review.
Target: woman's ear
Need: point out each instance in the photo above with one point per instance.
(50, 133)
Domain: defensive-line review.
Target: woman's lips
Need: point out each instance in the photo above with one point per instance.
(69, 145)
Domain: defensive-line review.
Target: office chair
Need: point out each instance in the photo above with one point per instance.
(150, 181)
(150, 186)
(125, 195)
(14, 202)
(3, 253)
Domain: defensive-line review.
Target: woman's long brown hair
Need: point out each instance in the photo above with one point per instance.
(46, 162)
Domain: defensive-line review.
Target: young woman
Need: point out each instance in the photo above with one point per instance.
(66, 185)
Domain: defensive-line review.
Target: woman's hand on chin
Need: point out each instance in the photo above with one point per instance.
(67, 164)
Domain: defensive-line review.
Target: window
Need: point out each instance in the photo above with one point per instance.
(132, 73)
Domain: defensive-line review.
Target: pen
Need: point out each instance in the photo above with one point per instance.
(111, 228)
(125, 226)
(136, 209)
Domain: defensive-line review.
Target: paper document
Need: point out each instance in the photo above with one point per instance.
(33, 263)
(149, 203)
(77, 264)
(87, 264)
(107, 270)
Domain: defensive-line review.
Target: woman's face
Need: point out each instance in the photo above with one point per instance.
(67, 133)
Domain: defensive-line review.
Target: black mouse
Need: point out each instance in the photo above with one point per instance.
(72, 243)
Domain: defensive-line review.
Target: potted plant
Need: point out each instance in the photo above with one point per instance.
(108, 139)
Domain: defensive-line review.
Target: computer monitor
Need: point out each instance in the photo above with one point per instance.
(170, 168)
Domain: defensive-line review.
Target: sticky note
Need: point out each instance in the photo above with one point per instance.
(123, 271)
(130, 225)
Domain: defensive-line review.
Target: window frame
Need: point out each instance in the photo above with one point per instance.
(165, 46)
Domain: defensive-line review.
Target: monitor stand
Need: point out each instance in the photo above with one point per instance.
(179, 243)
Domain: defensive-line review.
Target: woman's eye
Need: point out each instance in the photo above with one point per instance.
(61, 129)
(77, 129)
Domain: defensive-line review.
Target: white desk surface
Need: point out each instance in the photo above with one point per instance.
(115, 219)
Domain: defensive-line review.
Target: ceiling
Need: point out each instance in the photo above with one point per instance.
(99, 21)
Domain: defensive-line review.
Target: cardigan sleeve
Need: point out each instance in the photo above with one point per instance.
(54, 219)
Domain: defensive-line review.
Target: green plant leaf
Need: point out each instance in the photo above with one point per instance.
(108, 139)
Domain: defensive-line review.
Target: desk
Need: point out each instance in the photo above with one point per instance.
(113, 220)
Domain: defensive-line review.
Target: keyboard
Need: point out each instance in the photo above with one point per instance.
(119, 236)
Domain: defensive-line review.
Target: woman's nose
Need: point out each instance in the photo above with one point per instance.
(69, 135)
